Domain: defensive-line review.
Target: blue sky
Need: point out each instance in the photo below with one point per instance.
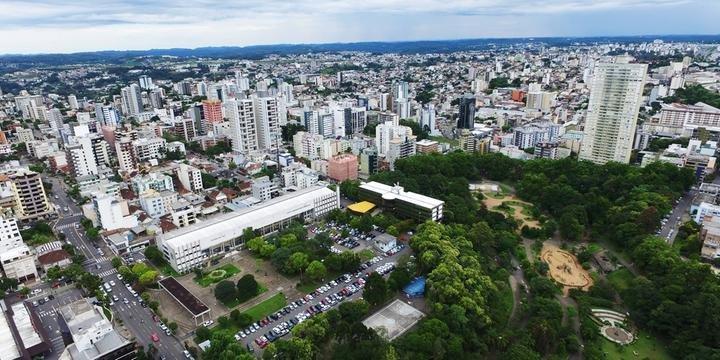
(42, 26)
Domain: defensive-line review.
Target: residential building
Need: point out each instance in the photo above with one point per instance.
(263, 188)
(212, 111)
(705, 210)
(267, 122)
(149, 148)
(615, 98)
(243, 133)
(90, 334)
(9, 234)
(470, 143)
(152, 181)
(389, 130)
(426, 146)
(131, 100)
(368, 162)
(113, 214)
(710, 237)
(400, 149)
(125, 152)
(298, 176)
(190, 177)
(31, 202)
(19, 263)
(194, 245)
(157, 203)
(343, 167)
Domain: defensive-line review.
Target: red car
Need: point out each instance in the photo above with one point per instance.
(155, 337)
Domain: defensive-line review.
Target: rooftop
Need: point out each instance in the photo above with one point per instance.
(361, 207)
(183, 296)
(397, 192)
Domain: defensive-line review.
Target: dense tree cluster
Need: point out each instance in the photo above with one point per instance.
(676, 299)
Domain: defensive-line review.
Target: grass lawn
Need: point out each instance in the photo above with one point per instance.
(217, 275)
(620, 279)
(646, 346)
(236, 302)
(267, 307)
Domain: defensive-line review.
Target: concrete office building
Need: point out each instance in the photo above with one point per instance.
(615, 98)
(153, 181)
(404, 204)
(194, 245)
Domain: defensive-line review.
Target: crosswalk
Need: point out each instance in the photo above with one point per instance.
(57, 344)
(65, 226)
(107, 273)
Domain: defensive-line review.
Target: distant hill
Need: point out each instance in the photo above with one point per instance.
(402, 47)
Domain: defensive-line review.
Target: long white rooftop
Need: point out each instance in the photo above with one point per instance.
(397, 192)
(228, 226)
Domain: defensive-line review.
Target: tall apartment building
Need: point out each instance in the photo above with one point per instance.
(31, 202)
(82, 159)
(184, 128)
(243, 130)
(131, 100)
(263, 188)
(113, 214)
(466, 118)
(126, 154)
(400, 149)
(267, 122)
(388, 131)
(212, 110)
(318, 122)
(349, 120)
(470, 143)
(146, 82)
(615, 98)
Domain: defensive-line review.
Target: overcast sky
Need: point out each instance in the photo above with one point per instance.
(43, 26)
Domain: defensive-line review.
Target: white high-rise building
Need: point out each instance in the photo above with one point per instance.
(427, 119)
(615, 97)
(388, 131)
(243, 132)
(72, 101)
(82, 157)
(9, 234)
(267, 122)
(146, 82)
(132, 100)
(55, 118)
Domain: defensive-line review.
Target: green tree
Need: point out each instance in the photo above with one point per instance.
(376, 290)
(294, 349)
(316, 270)
(154, 254)
(247, 288)
(116, 262)
(148, 278)
(297, 262)
(225, 291)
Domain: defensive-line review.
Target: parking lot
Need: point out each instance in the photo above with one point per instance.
(346, 287)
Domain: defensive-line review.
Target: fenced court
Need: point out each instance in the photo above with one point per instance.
(394, 319)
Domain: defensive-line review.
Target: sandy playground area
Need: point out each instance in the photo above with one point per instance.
(565, 269)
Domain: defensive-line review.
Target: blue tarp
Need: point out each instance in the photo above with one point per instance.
(416, 288)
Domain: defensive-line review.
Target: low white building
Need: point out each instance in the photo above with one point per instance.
(93, 336)
(19, 263)
(112, 213)
(192, 246)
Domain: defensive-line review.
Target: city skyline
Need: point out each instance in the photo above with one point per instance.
(72, 26)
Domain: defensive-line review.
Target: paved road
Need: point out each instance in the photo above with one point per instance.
(680, 210)
(316, 300)
(135, 318)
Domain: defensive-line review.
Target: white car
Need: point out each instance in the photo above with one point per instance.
(112, 283)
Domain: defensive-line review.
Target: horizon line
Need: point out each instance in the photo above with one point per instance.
(352, 42)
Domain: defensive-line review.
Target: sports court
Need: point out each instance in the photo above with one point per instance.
(394, 319)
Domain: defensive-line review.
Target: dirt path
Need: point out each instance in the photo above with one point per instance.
(493, 203)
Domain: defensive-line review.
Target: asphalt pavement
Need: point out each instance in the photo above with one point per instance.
(137, 319)
(678, 215)
(317, 300)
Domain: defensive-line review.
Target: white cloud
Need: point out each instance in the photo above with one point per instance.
(75, 25)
